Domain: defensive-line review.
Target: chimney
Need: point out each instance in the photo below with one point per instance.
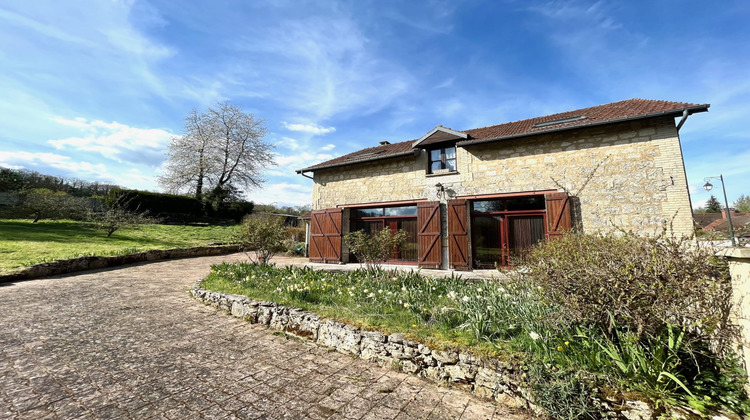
(724, 213)
(384, 142)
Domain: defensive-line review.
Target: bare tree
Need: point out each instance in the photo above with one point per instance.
(220, 150)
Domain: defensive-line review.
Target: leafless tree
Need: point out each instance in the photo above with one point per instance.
(220, 150)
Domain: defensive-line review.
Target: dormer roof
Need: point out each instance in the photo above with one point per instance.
(439, 134)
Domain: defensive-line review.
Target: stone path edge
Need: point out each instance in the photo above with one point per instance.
(93, 263)
(487, 378)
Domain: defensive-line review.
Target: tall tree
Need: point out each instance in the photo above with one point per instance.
(219, 151)
(742, 204)
(713, 205)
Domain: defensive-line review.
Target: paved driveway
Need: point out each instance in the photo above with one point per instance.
(131, 343)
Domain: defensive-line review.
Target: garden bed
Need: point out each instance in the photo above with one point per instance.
(488, 337)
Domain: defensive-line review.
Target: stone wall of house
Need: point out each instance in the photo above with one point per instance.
(639, 181)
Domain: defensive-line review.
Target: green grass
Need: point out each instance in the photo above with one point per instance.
(23, 243)
(432, 311)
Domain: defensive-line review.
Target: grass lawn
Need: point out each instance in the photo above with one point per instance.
(23, 243)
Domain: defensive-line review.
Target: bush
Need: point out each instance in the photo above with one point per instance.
(42, 203)
(297, 234)
(644, 284)
(118, 217)
(155, 203)
(264, 234)
(374, 249)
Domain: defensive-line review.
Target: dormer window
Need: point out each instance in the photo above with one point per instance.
(442, 160)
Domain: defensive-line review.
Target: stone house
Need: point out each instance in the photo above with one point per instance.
(474, 198)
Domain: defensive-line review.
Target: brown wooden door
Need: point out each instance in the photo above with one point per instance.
(429, 246)
(458, 241)
(558, 214)
(325, 235)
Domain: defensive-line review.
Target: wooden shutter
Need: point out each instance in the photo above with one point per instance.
(325, 235)
(458, 240)
(558, 214)
(429, 234)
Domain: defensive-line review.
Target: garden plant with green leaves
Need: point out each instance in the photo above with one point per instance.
(588, 315)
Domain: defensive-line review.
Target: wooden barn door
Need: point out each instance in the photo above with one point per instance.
(458, 240)
(325, 235)
(558, 214)
(428, 239)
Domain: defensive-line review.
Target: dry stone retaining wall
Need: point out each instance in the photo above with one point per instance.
(504, 382)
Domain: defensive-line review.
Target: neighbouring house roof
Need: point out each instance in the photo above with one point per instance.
(627, 110)
(703, 220)
(738, 220)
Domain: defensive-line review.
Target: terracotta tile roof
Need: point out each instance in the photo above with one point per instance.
(630, 109)
(738, 220)
(703, 220)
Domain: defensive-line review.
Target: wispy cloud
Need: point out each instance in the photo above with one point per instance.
(309, 128)
(116, 141)
(61, 162)
(284, 194)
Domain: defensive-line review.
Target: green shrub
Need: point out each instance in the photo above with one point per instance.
(117, 217)
(372, 250)
(297, 234)
(643, 284)
(155, 203)
(264, 234)
(42, 203)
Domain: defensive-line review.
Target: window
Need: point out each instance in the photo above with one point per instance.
(440, 159)
(373, 220)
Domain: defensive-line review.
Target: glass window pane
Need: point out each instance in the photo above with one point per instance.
(436, 166)
(401, 211)
(374, 212)
(488, 206)
(450, 164)
(486, 239)
(526, 203)
(450, 152)
(434, 155)
(408, 250)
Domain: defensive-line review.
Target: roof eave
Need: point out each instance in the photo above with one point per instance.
(315, 168)
(676, 112)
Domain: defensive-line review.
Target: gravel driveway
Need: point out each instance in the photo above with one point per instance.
(131, 343)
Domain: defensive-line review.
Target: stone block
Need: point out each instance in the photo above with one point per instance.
(445, 357)
(343, 337)
(303, 324)
(461, 373)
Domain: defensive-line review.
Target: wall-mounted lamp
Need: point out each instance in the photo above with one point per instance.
(440, 190)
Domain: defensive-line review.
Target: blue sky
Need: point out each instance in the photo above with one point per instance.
(96, 89)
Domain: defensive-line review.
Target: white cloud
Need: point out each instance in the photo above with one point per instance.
(288, 143)
(286, 165)
(284, 194)
(316, 71)
(328, 147)
(116, 141)
(61, 162)
(309, 128)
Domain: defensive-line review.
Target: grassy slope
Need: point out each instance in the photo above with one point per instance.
(24, 243)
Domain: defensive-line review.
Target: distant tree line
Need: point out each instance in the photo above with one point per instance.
(742, 205)
(17, 180)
